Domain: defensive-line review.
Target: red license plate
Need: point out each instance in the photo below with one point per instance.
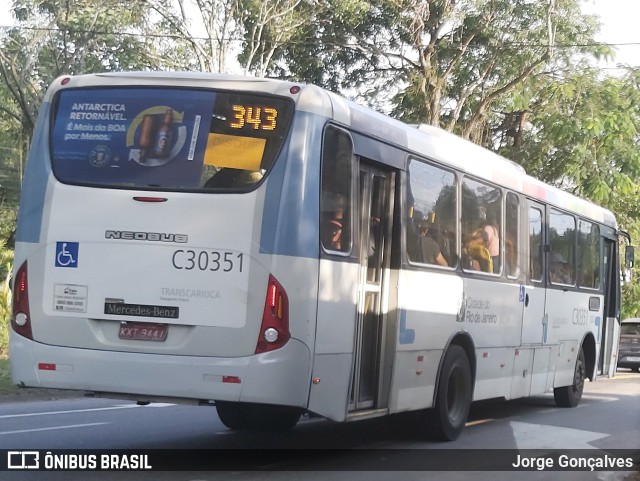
(140, 331)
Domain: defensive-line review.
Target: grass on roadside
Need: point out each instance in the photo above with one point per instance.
(6, 384)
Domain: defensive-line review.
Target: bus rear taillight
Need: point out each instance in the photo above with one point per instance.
(21, 319)
(274, 331)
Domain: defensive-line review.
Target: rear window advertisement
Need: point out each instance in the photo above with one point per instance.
(138, 138)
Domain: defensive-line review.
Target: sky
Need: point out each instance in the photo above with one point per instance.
(619, 19)
(619, 25)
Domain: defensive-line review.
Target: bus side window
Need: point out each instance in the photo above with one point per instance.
(431, 214)
(535, 244)
(335, 199)
(481, 226)
(512, 228)
(333, 223)
(562, 239)
(588, 255)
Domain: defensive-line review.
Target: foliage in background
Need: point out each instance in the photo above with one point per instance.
(581, 133)
(61, 37)
(6, 261)
(442, 62)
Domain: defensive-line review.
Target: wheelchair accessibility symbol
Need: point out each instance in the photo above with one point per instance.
(67, 254)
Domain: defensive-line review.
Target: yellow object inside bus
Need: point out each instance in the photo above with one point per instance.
(234, 151)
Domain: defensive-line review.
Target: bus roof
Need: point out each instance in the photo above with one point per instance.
(425, 140)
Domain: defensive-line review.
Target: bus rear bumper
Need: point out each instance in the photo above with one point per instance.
(276, 377)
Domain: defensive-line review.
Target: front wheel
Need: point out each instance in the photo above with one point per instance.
(453, 398)
(569, 396)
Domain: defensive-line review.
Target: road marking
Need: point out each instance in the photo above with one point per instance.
(51, 413)
(541, 436)
(71, 426)
(622, 376)
(478, 422)
(600, 397)
(613, 475)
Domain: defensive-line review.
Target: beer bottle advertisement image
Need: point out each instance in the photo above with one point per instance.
(132, 136)
(161, 136)
(146, 137)
(162, 144)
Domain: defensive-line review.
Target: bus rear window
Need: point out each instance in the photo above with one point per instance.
(173, 139)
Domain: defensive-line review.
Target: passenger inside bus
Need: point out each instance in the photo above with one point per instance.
(332, 225)
(560, 270)
(429, 247)
(493, 241)
(478, 252)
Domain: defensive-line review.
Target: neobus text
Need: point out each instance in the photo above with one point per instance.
(146, 236)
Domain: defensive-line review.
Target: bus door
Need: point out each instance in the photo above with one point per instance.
(534, 319)
(369, 384)
(610, 326)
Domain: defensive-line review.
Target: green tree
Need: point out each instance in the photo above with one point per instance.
(229, 35)
(64, 37)
(444, 62)
(196, 35)
(11, 161)
(582, 133)
(266, 27)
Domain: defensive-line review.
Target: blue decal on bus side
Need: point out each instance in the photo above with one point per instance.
(407, 336)
(598, 327)
(37, 172)
(291, 214)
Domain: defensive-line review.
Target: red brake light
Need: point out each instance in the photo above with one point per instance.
(274, 331)
(21, 318)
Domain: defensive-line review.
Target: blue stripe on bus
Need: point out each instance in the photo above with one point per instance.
(33, 193)
(290, 221)
(406, 336)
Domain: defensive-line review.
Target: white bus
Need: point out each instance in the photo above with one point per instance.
(274, 249)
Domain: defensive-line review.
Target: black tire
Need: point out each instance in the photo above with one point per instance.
(273, 418)
(570, 396)
(232, 415)
(453, 398)
(238, 416)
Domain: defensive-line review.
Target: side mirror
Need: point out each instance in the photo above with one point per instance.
(629, 256)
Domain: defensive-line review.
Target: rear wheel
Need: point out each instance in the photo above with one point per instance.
(454, 395)
(232, 415)
(569, 396)
(257, 416)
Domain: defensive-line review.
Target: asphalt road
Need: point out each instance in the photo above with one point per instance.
(608, 419)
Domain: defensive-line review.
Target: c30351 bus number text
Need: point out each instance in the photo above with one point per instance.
(207, 260)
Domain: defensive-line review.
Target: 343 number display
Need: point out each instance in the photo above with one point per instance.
(252, 116)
